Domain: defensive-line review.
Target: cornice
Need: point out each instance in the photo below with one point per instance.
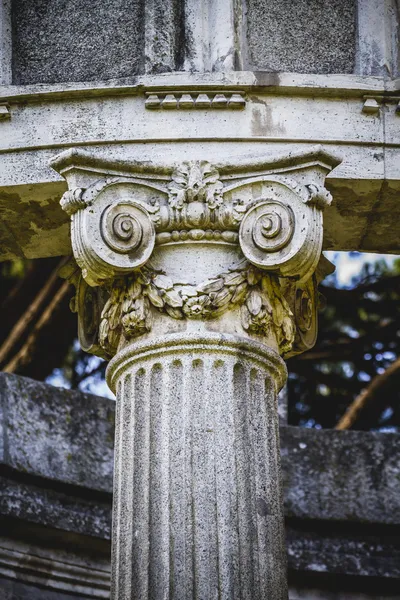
(295, 84)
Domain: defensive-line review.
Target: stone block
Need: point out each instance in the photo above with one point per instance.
(341, 488)
(56, 434)
(76, 41)
(304, 36)
(341, 475)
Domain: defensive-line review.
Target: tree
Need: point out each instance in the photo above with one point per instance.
(37, 326)
(359, 340)
(354, 363)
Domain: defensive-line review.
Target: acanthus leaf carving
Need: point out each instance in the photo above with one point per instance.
(195, 181)
(318, 195)
(72, 201)
(265, 308)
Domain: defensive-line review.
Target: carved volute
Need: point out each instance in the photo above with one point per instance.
(169, 245)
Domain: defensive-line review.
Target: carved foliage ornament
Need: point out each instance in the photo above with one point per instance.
(266, 303)
(275, 219)
(128, 309)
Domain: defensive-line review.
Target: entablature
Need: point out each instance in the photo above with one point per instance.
(278, 113)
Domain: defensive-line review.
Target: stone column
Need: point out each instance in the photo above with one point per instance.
(195, 281)
(198, 507)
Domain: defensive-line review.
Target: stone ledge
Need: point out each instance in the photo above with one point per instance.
(66, 437)
(342, 517)
(277, 118)
(281, 82)
(57, 434)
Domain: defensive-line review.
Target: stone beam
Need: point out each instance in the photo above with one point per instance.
(195, 279)
(278, 113)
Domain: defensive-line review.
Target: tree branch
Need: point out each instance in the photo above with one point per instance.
(23, 355)
(345, 349)
(367, 396)
(26, 318)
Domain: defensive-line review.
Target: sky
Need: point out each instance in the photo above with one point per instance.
(348, 264)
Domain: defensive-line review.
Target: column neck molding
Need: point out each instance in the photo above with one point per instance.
(193, 344)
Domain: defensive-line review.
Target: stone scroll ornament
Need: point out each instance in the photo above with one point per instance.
(274, 219)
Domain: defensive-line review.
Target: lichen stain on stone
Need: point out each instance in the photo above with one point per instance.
(266, 79)
(38, 227)
(346, 198)
(262, 123)
(8, 199)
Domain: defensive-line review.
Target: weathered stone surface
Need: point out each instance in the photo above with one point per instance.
(334, 587)
(28, 226)
(164, 35)
(378, 38)
(46, 563)
(283, 113)
(198, 332)
(5, 42)
(344, 476)
(76, 41)
(197, 500)
(60, 508)
(15, 590)
(211, 35)
(344, 549)
(54, 433)
(328, 475)
(341, 488)
(306, 36)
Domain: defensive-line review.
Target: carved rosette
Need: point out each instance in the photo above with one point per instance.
(272, 221)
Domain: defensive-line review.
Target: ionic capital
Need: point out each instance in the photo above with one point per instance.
(231, 248)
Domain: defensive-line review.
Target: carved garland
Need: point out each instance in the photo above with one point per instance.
(263, 307)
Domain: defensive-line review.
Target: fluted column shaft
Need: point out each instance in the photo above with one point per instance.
(198, 503)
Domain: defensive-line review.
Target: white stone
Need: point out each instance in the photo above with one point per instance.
(285, 114)
(195, 326)
(198, 506)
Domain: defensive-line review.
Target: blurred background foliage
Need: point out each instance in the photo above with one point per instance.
(350, 379)
(353, 363)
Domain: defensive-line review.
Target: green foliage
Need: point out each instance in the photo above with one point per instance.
(13, 270)
(359, 338)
